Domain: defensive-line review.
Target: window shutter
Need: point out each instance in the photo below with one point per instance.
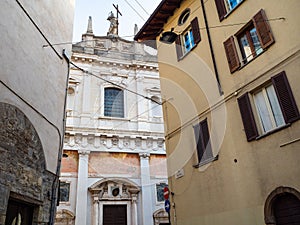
(221, 9)
(285, 97)
(196, 30)
(204, 150)
(263, 29)
(231, 54)
(247, 117)
(178, 47)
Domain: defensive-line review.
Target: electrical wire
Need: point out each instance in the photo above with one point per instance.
(141, 6)
(112, 83)
(134, 10)
(39, 30)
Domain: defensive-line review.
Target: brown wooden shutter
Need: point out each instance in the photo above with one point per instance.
(207, 145)
(263, 29)
(285, 97)
(178, 47)
(221, 9)
(231, 54)
(247, 117)
(201, 132)
(196, 30)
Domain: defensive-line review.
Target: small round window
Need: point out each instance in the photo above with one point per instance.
(184, 16)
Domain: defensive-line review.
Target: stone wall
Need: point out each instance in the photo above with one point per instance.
(23, 176)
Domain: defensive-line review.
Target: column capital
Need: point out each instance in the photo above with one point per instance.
(83, 152)
(134, 198)
(144, 155)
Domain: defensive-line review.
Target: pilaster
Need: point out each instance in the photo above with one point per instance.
(82, 192)
(146, 189)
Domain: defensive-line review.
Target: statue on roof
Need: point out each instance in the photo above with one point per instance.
(113, 28)
(114, 22)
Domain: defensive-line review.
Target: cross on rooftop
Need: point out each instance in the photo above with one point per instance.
(118, 11)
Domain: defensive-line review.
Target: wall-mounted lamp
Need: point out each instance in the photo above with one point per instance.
(168, 37)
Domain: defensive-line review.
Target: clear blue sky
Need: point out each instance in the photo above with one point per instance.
(99, 10)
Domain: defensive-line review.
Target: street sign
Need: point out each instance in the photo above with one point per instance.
(167, 206)
(166, 192)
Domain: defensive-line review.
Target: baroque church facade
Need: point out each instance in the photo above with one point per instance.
(114, 164)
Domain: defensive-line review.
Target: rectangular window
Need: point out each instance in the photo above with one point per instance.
(113, 102)
(160, 191)
(249, 44)
(253, 39)
(188, 39)
(275, 106)
(226, 6)
(64, 191)
(204, 150)
(231, 4)
(268, 109)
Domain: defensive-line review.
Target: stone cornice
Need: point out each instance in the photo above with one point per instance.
(115, 143)
(121, 64)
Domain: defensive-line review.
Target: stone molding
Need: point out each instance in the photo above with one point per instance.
(88, 59)
(102, 190)
(118, 143)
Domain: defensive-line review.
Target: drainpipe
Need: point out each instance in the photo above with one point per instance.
(211, 49)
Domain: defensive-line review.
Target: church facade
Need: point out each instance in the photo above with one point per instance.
(114, 164)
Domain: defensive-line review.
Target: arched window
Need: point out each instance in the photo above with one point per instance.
(113, 102)
(283, 207)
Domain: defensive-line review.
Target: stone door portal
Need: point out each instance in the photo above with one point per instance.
(114, 214)
(18, 213)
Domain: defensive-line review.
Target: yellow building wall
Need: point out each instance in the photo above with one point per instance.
(233, 189)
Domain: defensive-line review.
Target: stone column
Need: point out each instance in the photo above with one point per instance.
(95, 219)
(82, 191)
(134, 210)
(146, 189)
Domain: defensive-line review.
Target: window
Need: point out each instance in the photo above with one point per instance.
(64, 191)
(188, 39)
(183, 17)
(275, 106)
(226, 6)
(113, 102)
(268, 109)
(249, 44)
(204, 150)
(253, 39)
(160, 191)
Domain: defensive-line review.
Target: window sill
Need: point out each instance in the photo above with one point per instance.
(187, 53)
(65, 203)
(112, 118)
(273, 131)
(206, 161)
(248, 62)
